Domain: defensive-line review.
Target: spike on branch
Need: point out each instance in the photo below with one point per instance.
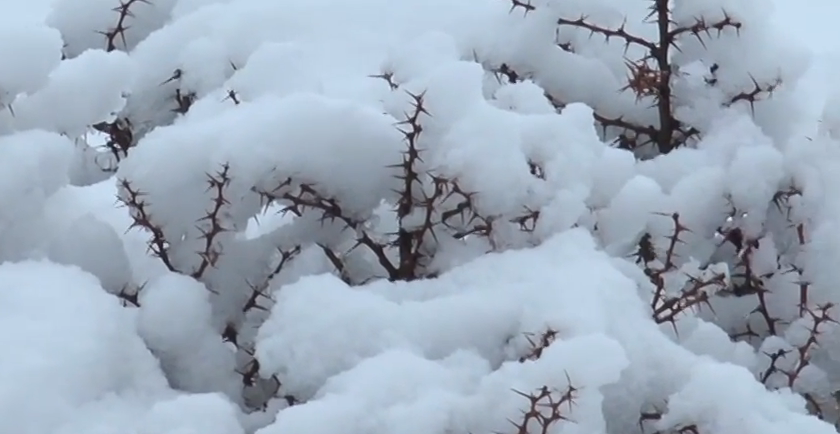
(117, 32)
(211, 225)
(546, 407)
(142, 218)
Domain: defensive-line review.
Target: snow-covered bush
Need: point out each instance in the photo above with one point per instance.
(376, 216)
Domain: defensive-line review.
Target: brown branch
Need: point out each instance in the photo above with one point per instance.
(608, 33)
(210, 253)
(142, 218)
(118, 31)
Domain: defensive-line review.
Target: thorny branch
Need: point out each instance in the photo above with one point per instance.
(666, 307)
(429, 205)
(117, 32)
(142, 218)
(651, 77)
(538, 344)
(210, 226)
(545, 408)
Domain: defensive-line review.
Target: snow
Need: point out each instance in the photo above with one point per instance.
(74, 362)
(418, 216)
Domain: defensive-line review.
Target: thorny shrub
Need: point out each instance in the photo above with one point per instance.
(400, 198)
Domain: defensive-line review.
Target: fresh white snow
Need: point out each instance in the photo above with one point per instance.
(234, 272)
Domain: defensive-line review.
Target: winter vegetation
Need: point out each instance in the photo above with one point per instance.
(415, 217)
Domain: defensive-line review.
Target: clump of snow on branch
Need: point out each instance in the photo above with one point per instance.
(76, 362)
